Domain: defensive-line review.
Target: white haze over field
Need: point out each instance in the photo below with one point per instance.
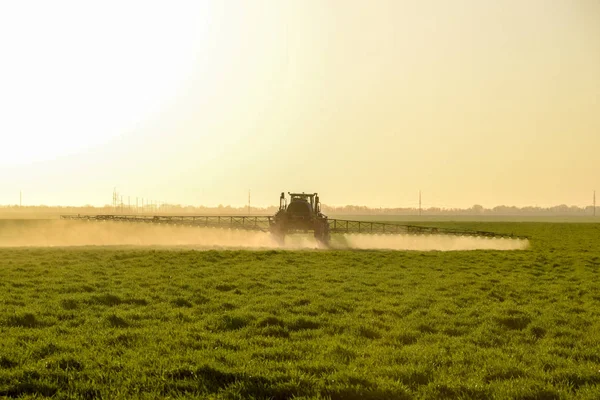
(57, 233)
(433, 242)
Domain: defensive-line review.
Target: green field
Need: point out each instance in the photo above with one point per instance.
(122, 322)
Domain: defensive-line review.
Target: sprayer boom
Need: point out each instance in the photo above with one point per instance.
(302, 214)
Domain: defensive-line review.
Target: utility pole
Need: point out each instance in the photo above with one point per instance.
(419, 203)
(594, 203)
(129, 204)
(248, 201)
(115, 200)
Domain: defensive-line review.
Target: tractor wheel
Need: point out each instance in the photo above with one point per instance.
(278, 233)
(322, 233)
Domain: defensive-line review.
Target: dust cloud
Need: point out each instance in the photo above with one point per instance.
(433, 242)
(59, 233)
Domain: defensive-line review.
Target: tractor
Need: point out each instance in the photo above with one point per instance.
(302, 214)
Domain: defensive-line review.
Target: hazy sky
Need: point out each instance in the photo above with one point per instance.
(365, 102)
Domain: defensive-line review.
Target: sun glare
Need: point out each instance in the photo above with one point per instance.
(76, 74)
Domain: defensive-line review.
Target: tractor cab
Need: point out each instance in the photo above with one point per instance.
(302, 205)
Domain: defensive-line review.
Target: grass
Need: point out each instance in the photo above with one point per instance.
(155, 323)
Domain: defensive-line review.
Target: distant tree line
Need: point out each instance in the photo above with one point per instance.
(476, 209)
(177, 209)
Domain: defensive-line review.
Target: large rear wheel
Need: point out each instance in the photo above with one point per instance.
(278, 232)
(322, 233)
